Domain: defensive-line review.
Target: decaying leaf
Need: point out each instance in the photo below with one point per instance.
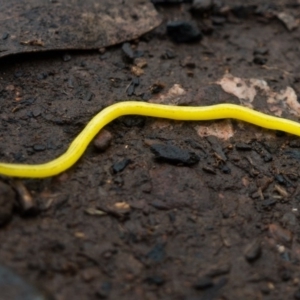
(247, 89)
(41, 25)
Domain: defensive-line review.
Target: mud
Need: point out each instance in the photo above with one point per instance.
(121, 224)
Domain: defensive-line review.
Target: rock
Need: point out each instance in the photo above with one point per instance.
(7, 200)
(267, 157)
(226, 170)
(218, 269)
(120, 165)
(127, 50)
(158, 204)
(260, 60)
(131, 88)
(253, 250)
(208, 169)
(266, 204)
(174, 155)
(5, 36)
(14, 287)
(103, 140)
(280, 179)
(243, 146)
(183, 32)
(168, 54)
(129, 53)
(104, 290)
(39, 147)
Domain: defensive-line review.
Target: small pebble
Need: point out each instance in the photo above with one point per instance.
(127, 50)
(5, 36)
(103, 140)
(133, 84)
(42, 76)
(267, 157)
(226, 170)
(219, 269)
(209, 169)
(253, 250)
(104, 290)
(159, 204)
(183, 32)
(243, 147)
(203, 282)
(169, 54)
(67, 57)
(280, 179)
(39, 147)
(268, 203)
(36, 112)
(121, 165)
(174, 155)
(260, 60)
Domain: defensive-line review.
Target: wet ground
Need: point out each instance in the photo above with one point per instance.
(156, 209)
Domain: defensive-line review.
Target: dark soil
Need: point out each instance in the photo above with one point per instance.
(128, 222)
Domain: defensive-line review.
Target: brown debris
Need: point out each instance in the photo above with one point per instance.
(137, 71)
(281, 191)
(26, 201)
(140, 62)
(288, 20)
(33, 43)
